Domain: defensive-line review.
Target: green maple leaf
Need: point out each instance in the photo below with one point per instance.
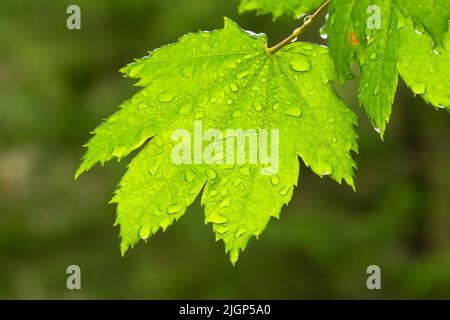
(227, 80)
(277, 8)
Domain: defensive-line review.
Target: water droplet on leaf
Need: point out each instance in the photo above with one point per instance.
(420, 88)
(245, 171)
(188, 71)
(174, 209)
(185, 110)
(166, 97)
(225, 203)
(199, 115)
(294, 112)
(258, 106)
(211, 174)
(300, 63)
(284, 191)
(144, 231)
(216, 218)
(190, 176)
(275, 180)
(242, 74)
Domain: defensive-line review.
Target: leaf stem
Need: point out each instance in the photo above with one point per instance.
(297, 32)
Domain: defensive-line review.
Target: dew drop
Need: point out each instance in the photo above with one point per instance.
(420, 88)
(294, 112)
(256, 88)
(199, 115)
(240, 232)
(223, 191)
(211, 174)
(376, 90)
(322, 32)
(373, 55)
(307, 19)
(234, 87)
(242, 74)
(258, 106)
(307, 46)
(284, 191)
(225, 203)
(144, 231)
(174, 209)
(166, 97)
(275, 180)
(323, 49)
(185, 110)
(190, 176)
(245, 171)
(188, 71)
(333, 19)
(216, 218)
(159, 141)
(300, 63)
(154, 169)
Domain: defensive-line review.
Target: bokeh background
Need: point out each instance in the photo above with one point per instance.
(56, 85)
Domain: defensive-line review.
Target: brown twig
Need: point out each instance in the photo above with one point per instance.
(297, 32)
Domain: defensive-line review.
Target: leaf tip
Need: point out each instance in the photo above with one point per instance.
(123, 249)
(78, 172)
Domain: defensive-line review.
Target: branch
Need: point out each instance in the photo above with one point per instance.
(297, 32)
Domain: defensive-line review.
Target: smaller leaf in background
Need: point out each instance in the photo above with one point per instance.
(423, 68)
(429, 16)
(347, 20)
(379, 75)
(278, 8)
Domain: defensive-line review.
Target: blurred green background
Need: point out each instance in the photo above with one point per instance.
(56, 85)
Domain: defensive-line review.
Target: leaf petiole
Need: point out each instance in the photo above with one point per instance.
(297, 32)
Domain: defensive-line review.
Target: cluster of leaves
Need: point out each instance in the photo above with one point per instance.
(228, 79)
(411, 39)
